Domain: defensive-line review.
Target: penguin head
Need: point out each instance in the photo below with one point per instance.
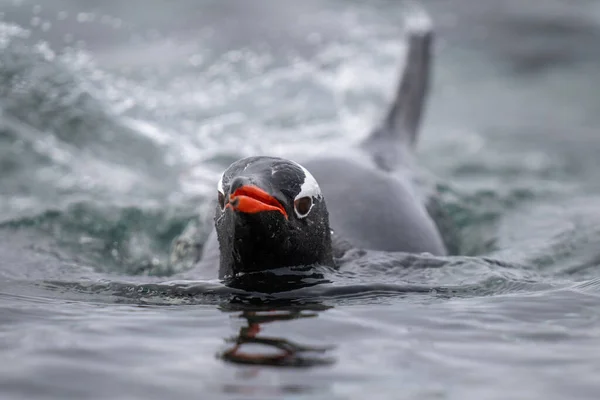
(270, 213)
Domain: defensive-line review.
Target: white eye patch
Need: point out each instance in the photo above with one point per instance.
(310, 187)
(220, 184)
(309, 190)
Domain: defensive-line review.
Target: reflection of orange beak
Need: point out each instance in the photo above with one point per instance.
(251, 199)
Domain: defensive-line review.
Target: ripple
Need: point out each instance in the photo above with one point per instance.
(121, 240)
(365, 279)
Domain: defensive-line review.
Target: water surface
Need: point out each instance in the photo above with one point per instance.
(116, 119)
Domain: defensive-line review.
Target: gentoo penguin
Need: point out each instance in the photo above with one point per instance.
(273, 212)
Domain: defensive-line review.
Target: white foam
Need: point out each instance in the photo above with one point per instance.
(419, 22)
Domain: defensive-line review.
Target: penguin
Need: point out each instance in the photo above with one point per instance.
(273, 212)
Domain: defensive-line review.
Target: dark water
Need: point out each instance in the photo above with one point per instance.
(117, 117)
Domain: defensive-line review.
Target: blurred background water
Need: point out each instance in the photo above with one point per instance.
(117, 117)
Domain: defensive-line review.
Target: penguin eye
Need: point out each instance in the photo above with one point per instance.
(302, 206)
(221, 200)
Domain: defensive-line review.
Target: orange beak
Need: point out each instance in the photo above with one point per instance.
(251, 200)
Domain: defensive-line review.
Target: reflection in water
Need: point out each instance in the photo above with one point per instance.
(280, 280)
(287, 353)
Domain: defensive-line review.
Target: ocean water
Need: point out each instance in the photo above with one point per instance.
(116, 119)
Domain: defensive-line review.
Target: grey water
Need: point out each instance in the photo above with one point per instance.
(116, 119)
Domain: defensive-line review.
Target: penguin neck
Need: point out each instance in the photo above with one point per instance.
(255, 253)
